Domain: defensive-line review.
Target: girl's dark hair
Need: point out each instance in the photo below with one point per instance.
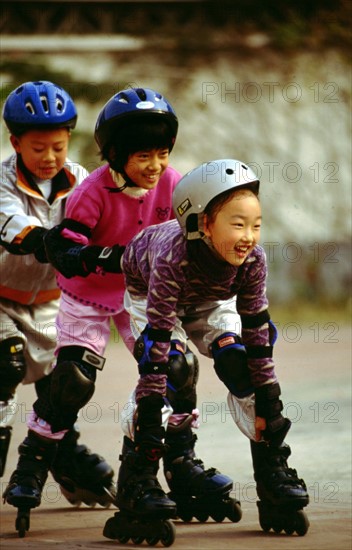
(137, 136)
(216, 204)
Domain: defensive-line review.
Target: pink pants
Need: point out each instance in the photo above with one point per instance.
(89, 327)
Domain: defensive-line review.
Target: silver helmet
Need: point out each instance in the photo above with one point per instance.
(202, 184)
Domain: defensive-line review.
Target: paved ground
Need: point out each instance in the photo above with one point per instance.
(314, 367)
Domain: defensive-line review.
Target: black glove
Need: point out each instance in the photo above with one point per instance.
(33, 243)
(63, 254)
(108, 258)
(268, 405)
(72, 259)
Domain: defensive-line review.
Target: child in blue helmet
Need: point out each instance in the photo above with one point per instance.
(35, 185)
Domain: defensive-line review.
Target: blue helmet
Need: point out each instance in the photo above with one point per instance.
(132, 104)
(39, 105)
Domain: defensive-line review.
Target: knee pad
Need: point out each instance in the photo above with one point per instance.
(231, 365)
(182, 373)
(72, 384)
(12, 366)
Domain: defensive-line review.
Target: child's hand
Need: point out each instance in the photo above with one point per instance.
(260, 426)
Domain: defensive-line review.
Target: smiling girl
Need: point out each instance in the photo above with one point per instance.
(184, 288)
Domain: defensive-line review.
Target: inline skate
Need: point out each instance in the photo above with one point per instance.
(83, 476)
(24, 490)
(282, 494)
(5, 438)
(145, 510)
(197, 492)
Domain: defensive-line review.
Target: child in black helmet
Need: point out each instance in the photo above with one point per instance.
(36, 183)
(135, 131)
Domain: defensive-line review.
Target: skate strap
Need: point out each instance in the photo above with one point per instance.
(254, 321)
(259, 352)
(158, 335)
(80, 354)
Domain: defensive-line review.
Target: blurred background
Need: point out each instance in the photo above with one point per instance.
(268, 83)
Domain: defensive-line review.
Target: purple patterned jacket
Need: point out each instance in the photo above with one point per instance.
(161, 265)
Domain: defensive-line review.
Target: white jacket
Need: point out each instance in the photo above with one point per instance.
(22, 278)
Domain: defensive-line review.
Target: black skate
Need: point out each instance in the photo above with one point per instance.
(83, 476)
(24, 489)
(5, 438)
(144, 507)
(282, 494)
(197, 492)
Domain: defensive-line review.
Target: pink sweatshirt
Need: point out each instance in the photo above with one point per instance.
(114, 217)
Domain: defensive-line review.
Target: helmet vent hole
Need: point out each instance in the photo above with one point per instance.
(59, 105)
(30, 108)
(141, 94)
(229, 171)
(44, 102)
(123, 98)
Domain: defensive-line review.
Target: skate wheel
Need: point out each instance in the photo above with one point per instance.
(186, 517)
(235, 512)
(137, 540)
(123, 539)
(265, 526)
(202, 517)
(110, 497)
(302, 523)
(111, 528)
(218, 517)
(277, 528)
(106, 505)
(264, 519)
(152, 541)
(22, 525)
(169, 532)
(74, 502)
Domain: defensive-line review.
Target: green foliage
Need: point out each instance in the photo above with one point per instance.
(305, 312)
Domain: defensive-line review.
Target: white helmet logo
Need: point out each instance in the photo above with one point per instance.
(145, 105)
